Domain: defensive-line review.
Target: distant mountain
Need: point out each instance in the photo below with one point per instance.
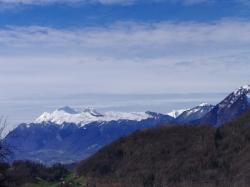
(68, 135)
(176, 113)
(199, 156)
(229, 109)
(187, 116)
(81, 118)
(194, 113)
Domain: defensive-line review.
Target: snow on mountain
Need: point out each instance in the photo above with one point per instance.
(240, 93)
(93, 112)
(242, 90)
(248, 97)
(203, 107)
(68, 110)
(55, 143)
(57, 136)
(234, 105)
(69, 115)
(194, 113)
(176, 113)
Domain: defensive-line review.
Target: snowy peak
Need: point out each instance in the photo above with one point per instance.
(194, 113)
(201, 108)
(241, 94)
(93, 112)
(67, 109)
(176, 113)
(203, 105)
(242, 90)
(70, 110)
(229, 108)
(89, 115)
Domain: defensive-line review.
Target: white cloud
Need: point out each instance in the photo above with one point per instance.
(129, 36)
(125, 57)
(133, 40)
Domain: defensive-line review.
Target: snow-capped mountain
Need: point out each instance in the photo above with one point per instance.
(176, 113)
(194, 113)
(68, 135)
(230, 108)
(70, 115)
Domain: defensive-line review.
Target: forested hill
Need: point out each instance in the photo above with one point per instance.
(175, 156)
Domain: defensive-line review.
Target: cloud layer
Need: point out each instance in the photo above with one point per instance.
(126, 57)
(132, 40)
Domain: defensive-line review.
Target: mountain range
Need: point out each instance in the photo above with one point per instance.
(68, 135)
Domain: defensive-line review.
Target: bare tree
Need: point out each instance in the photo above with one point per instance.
(5, 150)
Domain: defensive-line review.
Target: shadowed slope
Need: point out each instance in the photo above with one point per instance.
(175, 156)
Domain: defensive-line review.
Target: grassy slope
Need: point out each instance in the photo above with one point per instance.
(71, 180)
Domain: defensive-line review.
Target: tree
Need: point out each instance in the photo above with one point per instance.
(5, 149)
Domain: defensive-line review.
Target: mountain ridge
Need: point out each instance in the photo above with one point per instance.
(49, 143)
(194, 113)
(67, 134)
(229, 108)
(70, 115)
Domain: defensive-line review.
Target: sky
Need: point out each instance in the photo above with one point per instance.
(55, 51)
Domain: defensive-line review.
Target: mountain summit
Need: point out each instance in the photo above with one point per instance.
(89, 115)
(194, 113)
(68, 109)
(230, 108)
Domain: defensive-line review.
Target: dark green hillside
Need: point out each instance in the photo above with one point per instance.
(30, 174)
(175, 156)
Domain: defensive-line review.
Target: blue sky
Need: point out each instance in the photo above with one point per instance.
(70, 47)
(92, 13)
